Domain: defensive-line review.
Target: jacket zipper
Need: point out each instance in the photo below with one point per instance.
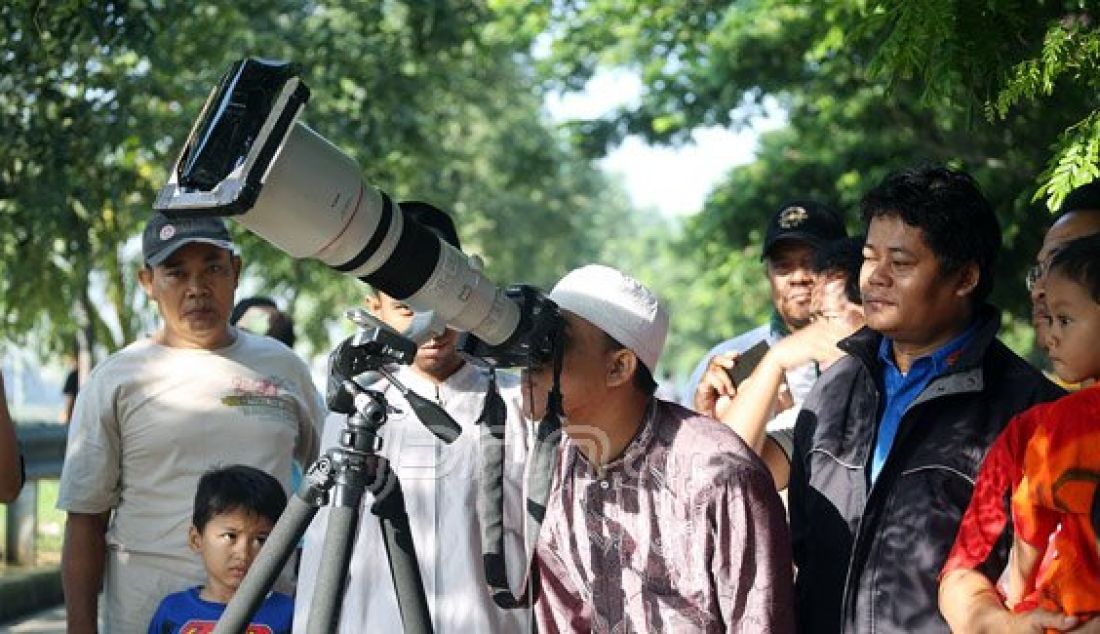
(846, 604)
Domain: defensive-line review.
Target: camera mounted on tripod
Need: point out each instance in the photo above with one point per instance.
(532, 343)
(370, 349)
(370, 354)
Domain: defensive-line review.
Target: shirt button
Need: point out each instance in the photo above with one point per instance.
(604, 484)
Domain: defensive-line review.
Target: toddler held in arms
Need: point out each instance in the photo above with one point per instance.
(1055, 560)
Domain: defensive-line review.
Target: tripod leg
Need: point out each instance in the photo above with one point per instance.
(390, 509)
(267, 566)
(328, 589)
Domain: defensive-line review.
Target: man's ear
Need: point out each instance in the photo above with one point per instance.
(969, 275)
(237, 266)
(145, 278)
(194, 538)
(621, 367)
(374, 303)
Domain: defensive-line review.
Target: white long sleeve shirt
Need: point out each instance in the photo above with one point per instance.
(440, 485)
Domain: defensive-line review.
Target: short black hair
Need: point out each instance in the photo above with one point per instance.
(1084, 198)
(643, 378)
(1079, 261)
(248, 302)
(281, 327)
(958, 223)
(843, 256)
(433, 218)
(237, 487)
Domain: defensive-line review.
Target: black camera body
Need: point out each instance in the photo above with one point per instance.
(533, 342)
(367, 350)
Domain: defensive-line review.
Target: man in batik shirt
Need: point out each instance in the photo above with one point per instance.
(659, 519)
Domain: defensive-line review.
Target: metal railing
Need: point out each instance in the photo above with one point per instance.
(43, 446)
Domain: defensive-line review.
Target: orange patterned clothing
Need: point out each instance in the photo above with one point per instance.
(1052, 503)
(1067, 426)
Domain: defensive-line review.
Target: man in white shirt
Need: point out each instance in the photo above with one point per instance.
(440, 487)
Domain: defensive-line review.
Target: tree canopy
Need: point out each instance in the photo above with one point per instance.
(442, 101)
(1005, 90)
(431, 101)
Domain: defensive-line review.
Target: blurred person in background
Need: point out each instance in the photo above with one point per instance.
(11, 463)
(1078, 216)
(793, 235)
(836, 311)
(261, 316)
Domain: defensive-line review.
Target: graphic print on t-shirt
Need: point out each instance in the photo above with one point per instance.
(266, 397)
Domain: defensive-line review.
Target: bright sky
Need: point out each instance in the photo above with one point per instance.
(674, 180)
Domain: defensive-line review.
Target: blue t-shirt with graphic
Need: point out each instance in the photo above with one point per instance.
(187, 613)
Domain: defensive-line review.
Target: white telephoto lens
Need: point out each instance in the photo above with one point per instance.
(314, 204)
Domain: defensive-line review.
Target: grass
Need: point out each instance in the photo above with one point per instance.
(51, 524)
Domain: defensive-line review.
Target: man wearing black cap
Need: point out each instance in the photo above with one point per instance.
(440, 487)
(153, 417)
(794, 233)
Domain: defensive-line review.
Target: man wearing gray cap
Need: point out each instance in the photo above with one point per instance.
(153, 417)
(659, 519)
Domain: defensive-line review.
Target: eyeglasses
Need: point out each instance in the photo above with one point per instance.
(1033, 275)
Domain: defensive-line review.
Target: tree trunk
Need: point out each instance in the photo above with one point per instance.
(85, 336)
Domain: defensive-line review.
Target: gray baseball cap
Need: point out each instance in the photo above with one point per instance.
(163, 236)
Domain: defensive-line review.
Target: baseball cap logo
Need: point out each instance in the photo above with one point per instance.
(792, 217)
(167, 231)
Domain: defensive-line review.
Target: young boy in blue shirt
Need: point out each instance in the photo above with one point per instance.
(235, 510)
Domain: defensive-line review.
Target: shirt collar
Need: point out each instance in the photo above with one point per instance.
(941, 359)
(777, 326)
(465, 379)
(636, 450)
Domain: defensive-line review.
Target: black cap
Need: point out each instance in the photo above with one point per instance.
(803, 221)
(432, 218)
(163, 236)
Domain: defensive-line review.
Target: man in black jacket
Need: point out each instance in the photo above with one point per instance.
(891, 437)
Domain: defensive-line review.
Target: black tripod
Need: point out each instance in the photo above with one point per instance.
(342, 475)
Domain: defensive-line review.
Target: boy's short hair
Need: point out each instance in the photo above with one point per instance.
(1079, 261)
(237, 487)
(844, 257)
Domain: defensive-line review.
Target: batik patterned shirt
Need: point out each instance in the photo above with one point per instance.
(683, 532)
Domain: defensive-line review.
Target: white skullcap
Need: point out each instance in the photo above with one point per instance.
(618, 305)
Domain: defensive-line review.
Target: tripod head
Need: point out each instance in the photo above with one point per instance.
(368, 354)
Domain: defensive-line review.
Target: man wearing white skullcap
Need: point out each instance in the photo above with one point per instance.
(659, 519)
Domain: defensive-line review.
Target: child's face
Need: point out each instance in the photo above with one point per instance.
(228, 544)
(1074, 329)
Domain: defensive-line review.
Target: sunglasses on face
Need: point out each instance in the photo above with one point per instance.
(1033, 275)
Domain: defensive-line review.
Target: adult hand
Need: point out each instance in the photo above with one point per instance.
(815, 342)
(1039, 621)
(716, 385)
(784, 400)
(970, 604)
